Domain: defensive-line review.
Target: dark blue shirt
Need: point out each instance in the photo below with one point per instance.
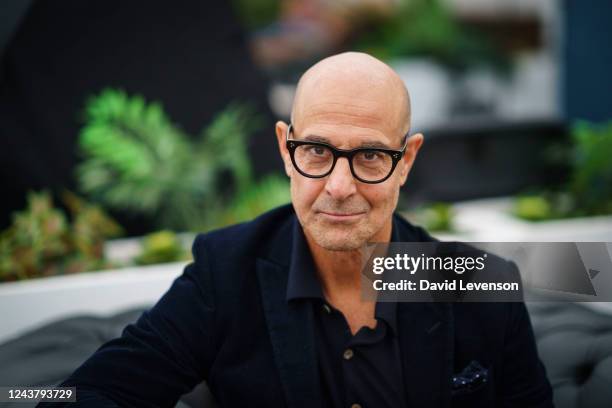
(361, 370)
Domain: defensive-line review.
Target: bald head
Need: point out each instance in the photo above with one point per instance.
(357, 86)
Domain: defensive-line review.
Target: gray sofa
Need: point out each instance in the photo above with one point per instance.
(575, 344)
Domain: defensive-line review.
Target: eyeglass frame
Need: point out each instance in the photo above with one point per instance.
(396, 155)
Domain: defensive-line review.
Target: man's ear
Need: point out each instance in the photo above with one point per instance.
(281, 135)
(412, 148)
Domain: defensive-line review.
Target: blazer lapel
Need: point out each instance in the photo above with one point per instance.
(292, 335)
(426, 339)
(426, 336)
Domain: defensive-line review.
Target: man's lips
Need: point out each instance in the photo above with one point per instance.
(337, 216)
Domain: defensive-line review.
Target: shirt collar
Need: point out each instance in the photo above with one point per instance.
(387, 311)
(303, 282)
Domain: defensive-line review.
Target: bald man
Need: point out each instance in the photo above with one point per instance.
(270, 312)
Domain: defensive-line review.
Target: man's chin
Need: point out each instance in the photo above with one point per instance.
(339, 242)
(341, 247)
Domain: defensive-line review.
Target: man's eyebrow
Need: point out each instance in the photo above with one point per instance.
(372, 145)
(315, 138)
(375, 145)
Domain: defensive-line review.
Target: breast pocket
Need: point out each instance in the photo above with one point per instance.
(473, 386)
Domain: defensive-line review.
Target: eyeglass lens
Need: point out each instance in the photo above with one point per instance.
(370, 165)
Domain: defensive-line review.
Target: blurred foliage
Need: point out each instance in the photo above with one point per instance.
(591, 181)
(268, 193)
(544, 206)
(136, 159)
(256, 14)
(43, 241)
(426, 28)
(437, 216)
(588, 191)
(161, 247)
(533, 208)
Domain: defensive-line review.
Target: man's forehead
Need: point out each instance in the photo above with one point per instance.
(347, 135)
(372, 115)
(358, 112)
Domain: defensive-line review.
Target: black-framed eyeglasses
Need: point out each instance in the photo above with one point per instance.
(367, 164)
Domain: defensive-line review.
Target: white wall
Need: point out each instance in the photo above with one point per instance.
(29, 304)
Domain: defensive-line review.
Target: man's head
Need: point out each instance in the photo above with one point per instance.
(349, 100)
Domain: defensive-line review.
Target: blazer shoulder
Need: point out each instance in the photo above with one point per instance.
(247, 238)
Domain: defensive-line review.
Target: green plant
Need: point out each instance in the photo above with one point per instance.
(427, 28)
(437, 216)
(268, 193)
(161, 246)
(43, 241)
(591, 180)
(588, 190)
(136, 159)
(533, 207)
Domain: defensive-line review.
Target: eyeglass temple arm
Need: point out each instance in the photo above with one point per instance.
(288, 131)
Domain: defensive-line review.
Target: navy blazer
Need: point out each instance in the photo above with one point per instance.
(226, 320)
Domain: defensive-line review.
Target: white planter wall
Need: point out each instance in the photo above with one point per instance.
(491, 220)
(28, 304)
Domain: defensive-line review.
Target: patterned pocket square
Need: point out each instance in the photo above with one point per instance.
(473, 377)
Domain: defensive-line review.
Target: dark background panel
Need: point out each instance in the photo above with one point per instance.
(190, 55)
(588, 60)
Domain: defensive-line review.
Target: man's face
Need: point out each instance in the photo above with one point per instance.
(339, 212)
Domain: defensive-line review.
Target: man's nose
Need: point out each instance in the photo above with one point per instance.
(340, 183)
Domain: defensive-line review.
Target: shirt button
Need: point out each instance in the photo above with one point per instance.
(348, 354)
(356, 406)
(326, 308)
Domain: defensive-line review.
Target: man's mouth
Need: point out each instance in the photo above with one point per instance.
(341, 217)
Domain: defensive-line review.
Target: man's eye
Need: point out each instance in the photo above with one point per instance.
(317, 150)
(371, 156)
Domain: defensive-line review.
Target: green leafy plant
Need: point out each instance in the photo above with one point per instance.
(591, 181)
(136, 159)
(533, 207)
(44, 241)
(160, 247)
(426, 28)
(437, 216)
(588, 190)
(268, 193)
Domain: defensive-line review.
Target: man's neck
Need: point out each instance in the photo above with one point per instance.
(340, 271)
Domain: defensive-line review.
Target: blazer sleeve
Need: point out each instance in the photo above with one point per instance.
(163, 355)
(525, 383)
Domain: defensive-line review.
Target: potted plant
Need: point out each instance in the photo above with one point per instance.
(44, 241)
(136, 159)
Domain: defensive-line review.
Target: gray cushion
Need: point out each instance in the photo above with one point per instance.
(575, 344)
(49, 354)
